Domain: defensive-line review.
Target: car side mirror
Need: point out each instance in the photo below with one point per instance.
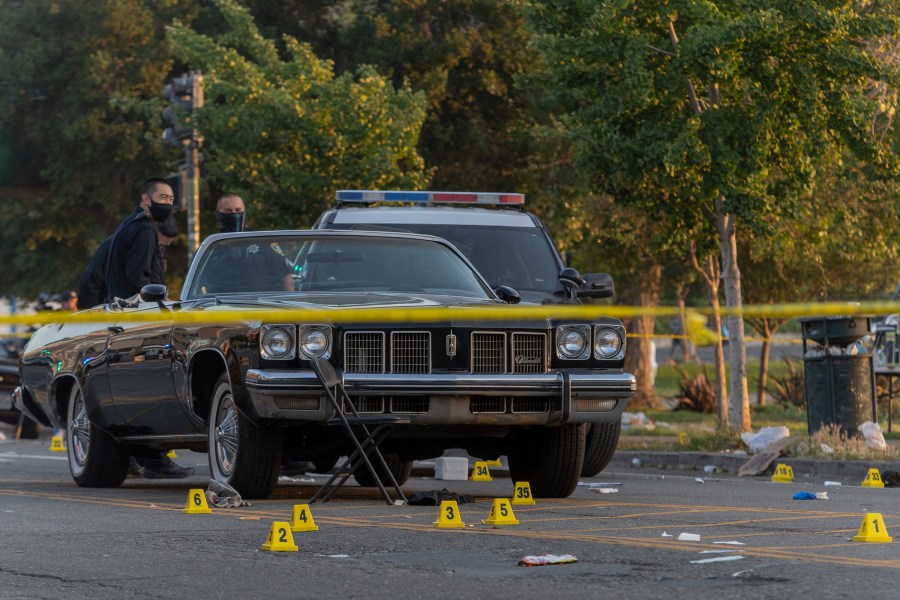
(508, 294)
(155, 292)
(596, 285)
(570, 278)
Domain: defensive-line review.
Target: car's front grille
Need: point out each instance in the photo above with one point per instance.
(529, 352)
(364, 352)
(409, 404)
(487, 404)
(488, 352)
(530, 405)
(366, 404)
(411, 352)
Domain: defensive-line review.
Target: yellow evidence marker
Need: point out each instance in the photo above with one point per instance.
(448, 516)
(873, 479)
(872, 529)
(501, 513)
(481, 472)
(171, 454)
(196, 503)
(302, 519)
(494, 463)
(783, 474)
(56, 444)
(522, 495)
(280, 538)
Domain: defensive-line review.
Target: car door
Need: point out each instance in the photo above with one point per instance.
(141, 379)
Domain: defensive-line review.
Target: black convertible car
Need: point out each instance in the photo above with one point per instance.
(226, 369)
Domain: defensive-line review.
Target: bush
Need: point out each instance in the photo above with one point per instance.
(790, 388)
(695, 392)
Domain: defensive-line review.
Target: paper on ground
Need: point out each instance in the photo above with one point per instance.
(688, 537)
(731, 543)
(717, 559)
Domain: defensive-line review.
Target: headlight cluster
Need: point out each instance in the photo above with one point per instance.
(577, 342)
(282, 342)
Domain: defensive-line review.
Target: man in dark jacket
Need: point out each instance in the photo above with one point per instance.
(135, 243)
(92, 289)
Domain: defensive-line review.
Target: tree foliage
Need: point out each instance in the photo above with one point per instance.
(287, 132)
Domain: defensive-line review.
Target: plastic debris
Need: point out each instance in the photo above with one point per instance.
(717, 559)
(699, 480)
(710, 469)
(837, 483)
(636, 420)
(759, 441)
(688, 537)
(547, 559)
(636, 462)
(811, 496)
(874, 438)
(718, 551)
(664, 534)
(599, 484)
(605, 490)
(222, 495)
(826, 448)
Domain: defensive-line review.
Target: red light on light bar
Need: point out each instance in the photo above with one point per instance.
(476, 198)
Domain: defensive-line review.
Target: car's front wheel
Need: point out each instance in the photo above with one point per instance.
(549, 459)
(600, 444)
(242, 454)
(400, 469)
(95, 458)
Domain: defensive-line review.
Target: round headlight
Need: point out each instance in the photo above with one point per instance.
(607, 343)
(276, 343)
(313, 342)
(571, 343)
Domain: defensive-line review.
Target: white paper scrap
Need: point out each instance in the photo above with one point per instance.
(717, 559)
(605, 490)
(699, 480)
(664, 534)
(731, 543)
(837, 483)
(688, 537)
(718, 551)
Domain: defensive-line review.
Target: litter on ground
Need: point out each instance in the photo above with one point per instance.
(717, 559)
(547, 559)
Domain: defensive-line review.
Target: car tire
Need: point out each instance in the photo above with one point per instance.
(600, 444)
(241, 453)
(96, 459)
(27, 429)
(400, 469)
(549, 459)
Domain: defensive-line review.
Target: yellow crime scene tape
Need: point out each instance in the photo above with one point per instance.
(695, 321)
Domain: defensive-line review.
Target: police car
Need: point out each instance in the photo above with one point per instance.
(508, 245)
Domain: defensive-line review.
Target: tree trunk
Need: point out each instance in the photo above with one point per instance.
(722, 415)
(764, 364)
(711, 274)
(638, 351)
(731, 276)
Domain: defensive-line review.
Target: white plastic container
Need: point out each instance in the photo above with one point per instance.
(452, 468)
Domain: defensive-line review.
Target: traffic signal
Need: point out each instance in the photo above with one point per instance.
(185, 94)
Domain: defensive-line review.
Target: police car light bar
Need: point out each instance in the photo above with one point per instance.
(429, 197)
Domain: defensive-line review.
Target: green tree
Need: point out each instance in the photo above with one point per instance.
(713, 114)
(287, 132)
(73, 161)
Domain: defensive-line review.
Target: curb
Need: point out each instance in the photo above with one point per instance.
(730, 463)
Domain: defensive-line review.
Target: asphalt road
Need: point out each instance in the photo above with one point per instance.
(61, 541)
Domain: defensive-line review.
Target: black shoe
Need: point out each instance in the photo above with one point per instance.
(289, 468)
(135, 470)
(162, 467)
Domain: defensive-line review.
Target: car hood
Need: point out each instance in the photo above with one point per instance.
(349, 300)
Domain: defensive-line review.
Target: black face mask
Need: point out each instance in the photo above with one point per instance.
(160, 212)
(230, 222)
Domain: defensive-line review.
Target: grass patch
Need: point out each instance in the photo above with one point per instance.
(667, 378)
(832, 443)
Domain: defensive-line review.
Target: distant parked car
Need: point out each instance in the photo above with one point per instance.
(10, 350)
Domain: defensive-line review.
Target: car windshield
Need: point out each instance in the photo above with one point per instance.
(307, 263)
(520, 257)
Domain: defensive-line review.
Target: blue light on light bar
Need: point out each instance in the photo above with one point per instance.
(434, 197)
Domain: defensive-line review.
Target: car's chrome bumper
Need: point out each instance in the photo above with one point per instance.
(451, 398)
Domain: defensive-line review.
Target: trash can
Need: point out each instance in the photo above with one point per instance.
(839, 373)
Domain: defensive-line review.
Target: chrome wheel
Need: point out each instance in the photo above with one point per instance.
(226, 435)
(79, 432)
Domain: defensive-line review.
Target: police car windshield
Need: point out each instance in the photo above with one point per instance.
(238, 265)
(520, 257)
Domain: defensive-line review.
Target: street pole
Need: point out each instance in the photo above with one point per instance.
(192, 191)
